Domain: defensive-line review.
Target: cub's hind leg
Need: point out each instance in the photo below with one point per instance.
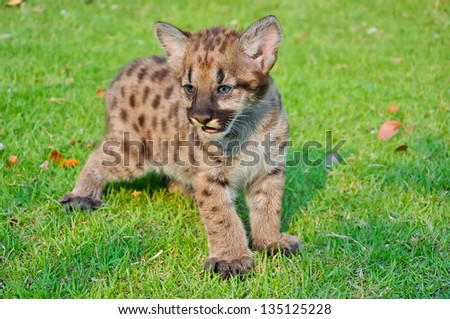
(113, 160)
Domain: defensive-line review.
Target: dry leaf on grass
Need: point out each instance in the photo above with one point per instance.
(13, 3)
(90, 144)
(402, 148)
(397, 60)
(63, 70)
(74, 141)
(58, 100)
(393, 108)
(137, 193)
(56, 157)
(69, 163)
(12, 160)
(5, 36)
(388, 129)
(100, 93)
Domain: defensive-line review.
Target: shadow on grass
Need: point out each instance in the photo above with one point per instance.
(148, 183)
(302, 183)
(424, 167)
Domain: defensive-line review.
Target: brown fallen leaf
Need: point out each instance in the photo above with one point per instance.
(402, 148)
(13, 3)
(44, 165)
(393, 108)
(137, 193)
(69, 163)
(388, 129)
(73, 141)
(56, 157)
(12, 160)
(100, 93)
(397, 60)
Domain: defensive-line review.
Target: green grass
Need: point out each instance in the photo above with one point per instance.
(376, 228)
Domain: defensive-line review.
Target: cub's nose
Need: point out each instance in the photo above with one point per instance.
(203, 118)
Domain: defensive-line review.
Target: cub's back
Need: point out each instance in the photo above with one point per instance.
(144, 101)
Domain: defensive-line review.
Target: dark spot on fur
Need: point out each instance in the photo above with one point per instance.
(222, 182)
(209, 44)
(276, 171)
(122, 91)
(123, 115)
(196, 45)
(206, 192)
(135, 127)
(223, 46)
(132, 67)
(168, 92)
(145, 94)
(142, 73)
(200, 203)
(156, 100)
(164, 125)
(141, 120)
(159, 59)
(132, 100)
(160, 74)
(220, 76)
(214, 209)
(190, 75)
(216, 31)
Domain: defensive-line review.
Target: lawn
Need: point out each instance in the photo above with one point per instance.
(377, 227)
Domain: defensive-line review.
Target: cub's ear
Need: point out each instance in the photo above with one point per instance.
(173, 41)
(261, 41)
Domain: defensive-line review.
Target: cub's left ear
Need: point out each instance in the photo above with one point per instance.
(261, 41)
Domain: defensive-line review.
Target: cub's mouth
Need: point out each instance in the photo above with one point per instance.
(212, 126)
(212, 130)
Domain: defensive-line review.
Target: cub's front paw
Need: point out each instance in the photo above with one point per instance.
(286, 244)
(72, 201)
(228, 268)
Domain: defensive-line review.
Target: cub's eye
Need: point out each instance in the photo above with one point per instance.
(224, 89)
(190, 89)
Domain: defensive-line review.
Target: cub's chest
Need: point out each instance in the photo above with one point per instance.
(254, 159)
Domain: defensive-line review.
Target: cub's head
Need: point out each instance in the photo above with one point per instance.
(222, 72)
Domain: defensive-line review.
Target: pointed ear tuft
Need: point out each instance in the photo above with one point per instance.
(261, 41)
(173, 41)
